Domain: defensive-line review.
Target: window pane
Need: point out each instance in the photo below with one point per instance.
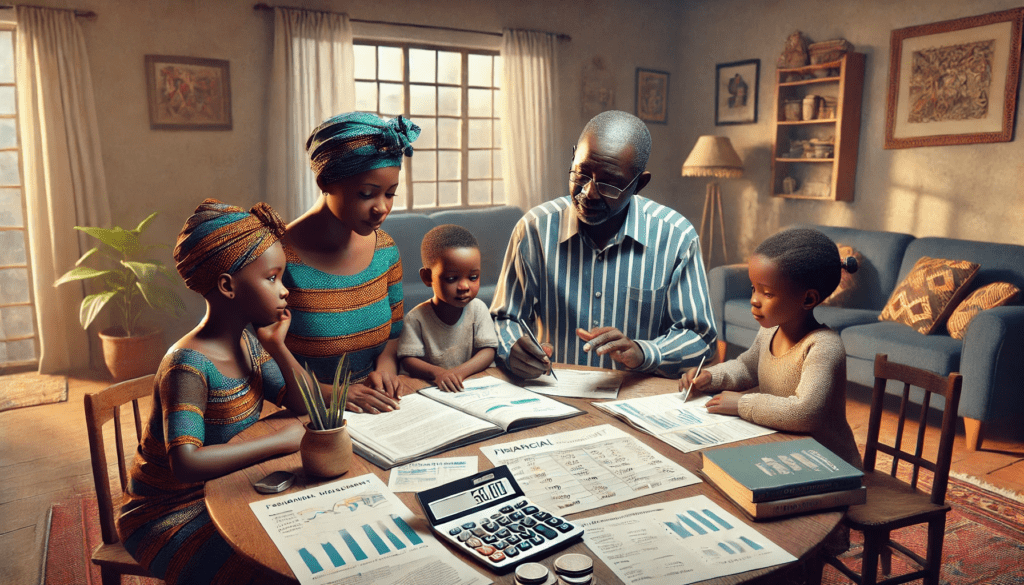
(366, 61)
(392, 99)
(422, 65)
(497, 71)
(449, 101)
(8, 133)
(479, 192)
(424, 195)
(9, 174)
(7, 100)
(448, 165)
(423, 165)
(496, 163)
(479, 133)
(449, 67)
(449, 133)
(6, 57)
(480, 102)
(366, 96)
(449, 194)
(14, 285)
(497, 134)
(17, 321)
(391, 67)
(400, 201)
(23, 350)
(428, 133)
(480, 70)
(422, 100)
(10, 208)
(12, 248)
(479, 165)
(499, 193)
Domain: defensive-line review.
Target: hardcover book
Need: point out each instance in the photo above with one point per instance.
(800, 504)
(778, 470)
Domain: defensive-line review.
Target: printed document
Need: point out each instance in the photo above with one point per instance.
(687, 426)
(602, 384)
(588, 468)
(430, 473)
(356, 532)
(683, 541)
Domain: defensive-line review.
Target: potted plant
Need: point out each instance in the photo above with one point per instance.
(129, 285)
(326, 447)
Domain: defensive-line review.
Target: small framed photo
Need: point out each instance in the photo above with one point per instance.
(954, 82)
(736, 86)
(652, 96)
(188, 93)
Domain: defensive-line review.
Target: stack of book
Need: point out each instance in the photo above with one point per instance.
(781, 478)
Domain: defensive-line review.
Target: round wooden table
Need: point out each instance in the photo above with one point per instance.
(228, 497)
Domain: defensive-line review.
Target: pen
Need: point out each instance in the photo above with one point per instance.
(686, 394)
(533, 338)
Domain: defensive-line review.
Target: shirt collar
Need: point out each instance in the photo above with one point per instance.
(634, 227)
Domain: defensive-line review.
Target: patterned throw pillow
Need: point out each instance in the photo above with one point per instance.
(929, 293)
(996, 294)
(847, 282)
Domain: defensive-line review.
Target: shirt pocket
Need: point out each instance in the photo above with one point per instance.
(644, 310)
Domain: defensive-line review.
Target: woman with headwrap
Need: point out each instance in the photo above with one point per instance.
(344, 273)
(208, 388)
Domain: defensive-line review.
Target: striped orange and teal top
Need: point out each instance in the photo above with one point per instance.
(336, 314)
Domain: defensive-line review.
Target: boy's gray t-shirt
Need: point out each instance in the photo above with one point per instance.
(426, 337)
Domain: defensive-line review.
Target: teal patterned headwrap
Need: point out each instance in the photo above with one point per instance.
(353, 143)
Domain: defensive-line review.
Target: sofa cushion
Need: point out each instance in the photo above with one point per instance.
(992, 295)
(843, 294)
(936, 353)
(929, 293)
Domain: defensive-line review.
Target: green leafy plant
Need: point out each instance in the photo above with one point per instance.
(132, 283)
(322, 416)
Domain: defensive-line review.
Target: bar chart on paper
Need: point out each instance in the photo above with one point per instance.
(370, 540)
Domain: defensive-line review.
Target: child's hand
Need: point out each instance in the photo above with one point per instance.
(724, 403)
(363, 398)
(700, 383)
(273, 335)
(449, 381)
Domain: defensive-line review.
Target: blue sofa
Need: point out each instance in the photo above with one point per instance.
(990, 357)
(492, 227)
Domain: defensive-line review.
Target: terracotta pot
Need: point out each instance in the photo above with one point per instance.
(326, 453)
(131, 357)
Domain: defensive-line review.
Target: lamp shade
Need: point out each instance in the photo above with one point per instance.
(713, 156)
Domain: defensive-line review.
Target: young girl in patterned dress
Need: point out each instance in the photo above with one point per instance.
(344, 274)
(209, 387)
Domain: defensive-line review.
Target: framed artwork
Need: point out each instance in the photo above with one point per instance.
(652, 96)
(954, 82)
(736, 92)
(188, 93)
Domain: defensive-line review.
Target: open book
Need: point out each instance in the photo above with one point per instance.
(433, 421)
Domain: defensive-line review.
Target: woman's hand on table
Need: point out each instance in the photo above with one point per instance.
(363, 398)
(291, 435)
(726, 402)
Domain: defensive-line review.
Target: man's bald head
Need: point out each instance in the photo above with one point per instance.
(616, 127)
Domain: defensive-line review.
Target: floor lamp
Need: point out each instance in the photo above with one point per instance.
(713, 156)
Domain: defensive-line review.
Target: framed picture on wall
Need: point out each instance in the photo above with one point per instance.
(954, 82)
(188, 93)
(736, 86)
(652, 96)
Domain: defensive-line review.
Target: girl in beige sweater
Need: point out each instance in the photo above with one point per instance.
(793, 377)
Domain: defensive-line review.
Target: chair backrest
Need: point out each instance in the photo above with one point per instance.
(101, 408)
(914, 454)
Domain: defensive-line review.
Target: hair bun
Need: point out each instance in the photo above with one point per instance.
(269, 218)
(849, 265)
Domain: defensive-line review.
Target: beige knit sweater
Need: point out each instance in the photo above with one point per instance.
(801, 391)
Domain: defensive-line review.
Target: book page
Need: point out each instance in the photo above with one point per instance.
(578, 384)
(424, 475)
(501, 402)
(683, 541)
(420, 426)
(687, 426)
(354, 531)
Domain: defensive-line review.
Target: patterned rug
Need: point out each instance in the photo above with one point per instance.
(29, 389)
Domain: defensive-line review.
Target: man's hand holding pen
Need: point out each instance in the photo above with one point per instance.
(613, 343)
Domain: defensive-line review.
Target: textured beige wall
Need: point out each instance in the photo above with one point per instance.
(971, 192)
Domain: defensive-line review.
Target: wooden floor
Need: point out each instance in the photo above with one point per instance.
(44, 457)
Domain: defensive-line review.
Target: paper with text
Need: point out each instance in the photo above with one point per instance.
(599, 384)
(423, 475)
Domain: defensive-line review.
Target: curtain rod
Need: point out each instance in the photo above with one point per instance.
(82, 13)
(261, 6)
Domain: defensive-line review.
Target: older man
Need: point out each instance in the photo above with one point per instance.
(608, 278)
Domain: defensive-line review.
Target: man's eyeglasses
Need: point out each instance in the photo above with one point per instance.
(580, 182)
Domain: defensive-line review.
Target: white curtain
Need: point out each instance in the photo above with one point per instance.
(533, 158)
(64, 181)
(312, 78)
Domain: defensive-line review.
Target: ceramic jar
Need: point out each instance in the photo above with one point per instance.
(326, 453)
(792, 110)
(810, 107)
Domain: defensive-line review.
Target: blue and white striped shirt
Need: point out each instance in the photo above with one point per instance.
(648, 281)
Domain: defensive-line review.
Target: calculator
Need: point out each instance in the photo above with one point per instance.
(489, 515)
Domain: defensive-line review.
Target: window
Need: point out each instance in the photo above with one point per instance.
(452, 95)
(18, 343)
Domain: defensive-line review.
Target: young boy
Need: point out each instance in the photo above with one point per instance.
(451, 336)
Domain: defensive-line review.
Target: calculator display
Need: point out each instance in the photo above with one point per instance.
(481, 495)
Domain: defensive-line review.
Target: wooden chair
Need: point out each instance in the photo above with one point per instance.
(101, 407)
(891, 502)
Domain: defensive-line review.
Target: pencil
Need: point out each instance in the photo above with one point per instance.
(533, 338)
(686, 394)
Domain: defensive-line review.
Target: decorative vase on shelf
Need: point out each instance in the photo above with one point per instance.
(810, 107)
(326, 453)
(789, 185)
(792, 110)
